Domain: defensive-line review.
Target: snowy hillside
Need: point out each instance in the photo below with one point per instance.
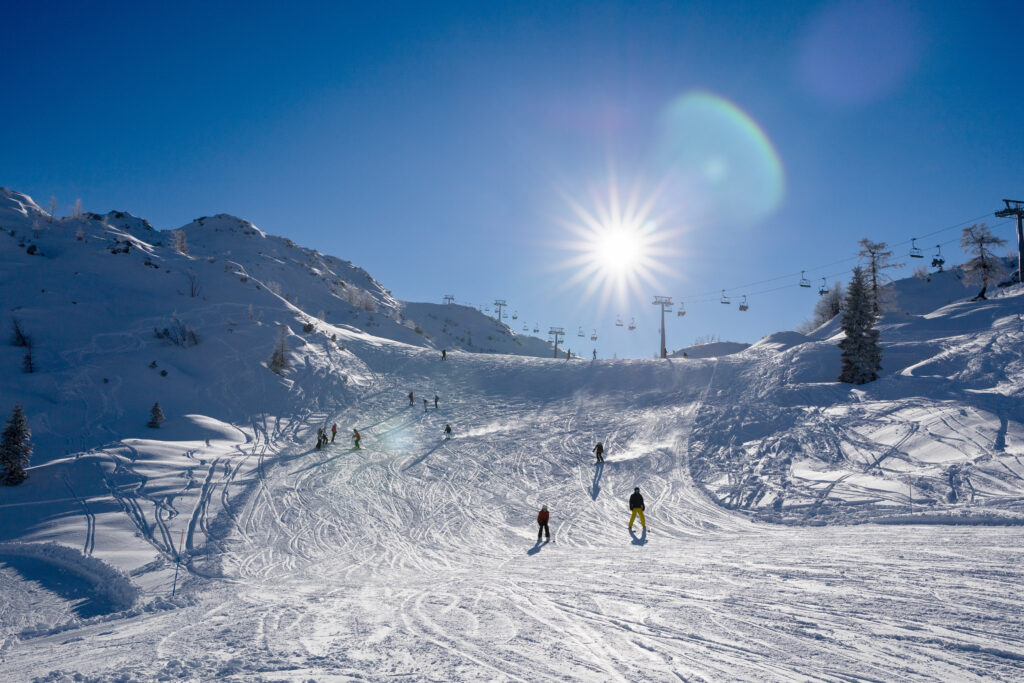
(415, 555)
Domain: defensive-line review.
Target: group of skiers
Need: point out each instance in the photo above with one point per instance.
(322, 440)
(636, 504)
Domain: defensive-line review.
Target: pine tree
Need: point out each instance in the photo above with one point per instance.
(156, 416)
(279, 359)
(15, 449)
(862, 356)
(877, 255)
(985, 268)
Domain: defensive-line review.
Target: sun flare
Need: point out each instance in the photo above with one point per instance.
(619, 246)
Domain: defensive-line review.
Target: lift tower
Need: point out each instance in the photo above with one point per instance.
(556, 332)
(448, 299)
(499, 304)
(1015, 207)
(666, 305)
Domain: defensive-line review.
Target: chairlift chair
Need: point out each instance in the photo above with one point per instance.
(914, 251)
(526, 328)
(632, 323)
(682, 310)
(743, 304)
(581, 333)
(618, 321)
(937, 260)
(725, 299)
(823, 290)
(515, 316)
(804, 282)
(593, 335)
(536, 328)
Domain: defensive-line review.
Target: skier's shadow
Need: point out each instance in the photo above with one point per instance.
(536, 549)
(641, 539)
(596, 488)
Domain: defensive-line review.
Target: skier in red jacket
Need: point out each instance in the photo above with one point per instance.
(542, 523)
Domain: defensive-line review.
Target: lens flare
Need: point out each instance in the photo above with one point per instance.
(618, 247)
(717, 156)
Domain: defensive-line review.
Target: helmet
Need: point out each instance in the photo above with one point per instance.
(636, 490)
(543, 507)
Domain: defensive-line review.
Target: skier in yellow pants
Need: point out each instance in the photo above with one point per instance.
(636, 504)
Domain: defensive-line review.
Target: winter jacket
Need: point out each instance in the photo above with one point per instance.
(542, 517)
(636, 501)
(599, 449)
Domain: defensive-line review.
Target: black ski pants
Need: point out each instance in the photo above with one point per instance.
(542, 528)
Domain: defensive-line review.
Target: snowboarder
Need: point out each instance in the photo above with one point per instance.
(636, 504)
(435, 401)
(598, 450)
(355, 439)
(334, 432)
(444, 354)
(410, 398)
(542, 523)
(447, 431)
(424, 405)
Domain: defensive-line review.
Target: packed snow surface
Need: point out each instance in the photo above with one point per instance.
(416, 556)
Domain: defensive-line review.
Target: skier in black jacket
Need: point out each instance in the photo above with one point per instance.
(598, 450)
(636, 504)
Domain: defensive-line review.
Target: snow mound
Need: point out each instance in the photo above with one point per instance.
(712, 350)
(108, 582)
(781, 341)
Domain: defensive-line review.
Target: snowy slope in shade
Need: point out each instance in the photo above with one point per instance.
(414, 556)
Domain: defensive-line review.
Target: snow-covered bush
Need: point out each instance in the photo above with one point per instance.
(178, 333)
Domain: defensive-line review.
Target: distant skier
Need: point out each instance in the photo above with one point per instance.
(410, 398)
(595, 354)
(319, 438)
(542, 523)
(444, 354)
(355, 439)
(424, 405)
(447, 431)
(334, 432)
(636, 504)
(598, 451)
(435, 401)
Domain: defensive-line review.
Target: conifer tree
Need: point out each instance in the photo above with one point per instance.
(985, 268)
(156, 416)
(279, 359)
(877, 255)
(862, 356)
(15, 449)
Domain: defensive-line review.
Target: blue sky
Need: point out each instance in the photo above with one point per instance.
(438, 145)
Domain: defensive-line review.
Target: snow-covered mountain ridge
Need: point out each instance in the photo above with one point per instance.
(414, 555)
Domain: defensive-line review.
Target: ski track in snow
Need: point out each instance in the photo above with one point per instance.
(415, 556)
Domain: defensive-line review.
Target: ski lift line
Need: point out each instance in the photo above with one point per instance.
(709, 296)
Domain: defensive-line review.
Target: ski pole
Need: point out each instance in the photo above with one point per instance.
(177, 566)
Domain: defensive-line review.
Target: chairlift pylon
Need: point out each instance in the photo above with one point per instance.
(914, 251)
(632, 323)
(804, 282)
(725, 299)
(682, 310)
(743, 304)
(937, 260)
(823, 290)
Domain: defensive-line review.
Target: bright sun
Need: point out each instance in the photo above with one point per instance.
(618, 247)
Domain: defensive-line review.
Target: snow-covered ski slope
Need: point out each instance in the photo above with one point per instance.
(415, 556)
